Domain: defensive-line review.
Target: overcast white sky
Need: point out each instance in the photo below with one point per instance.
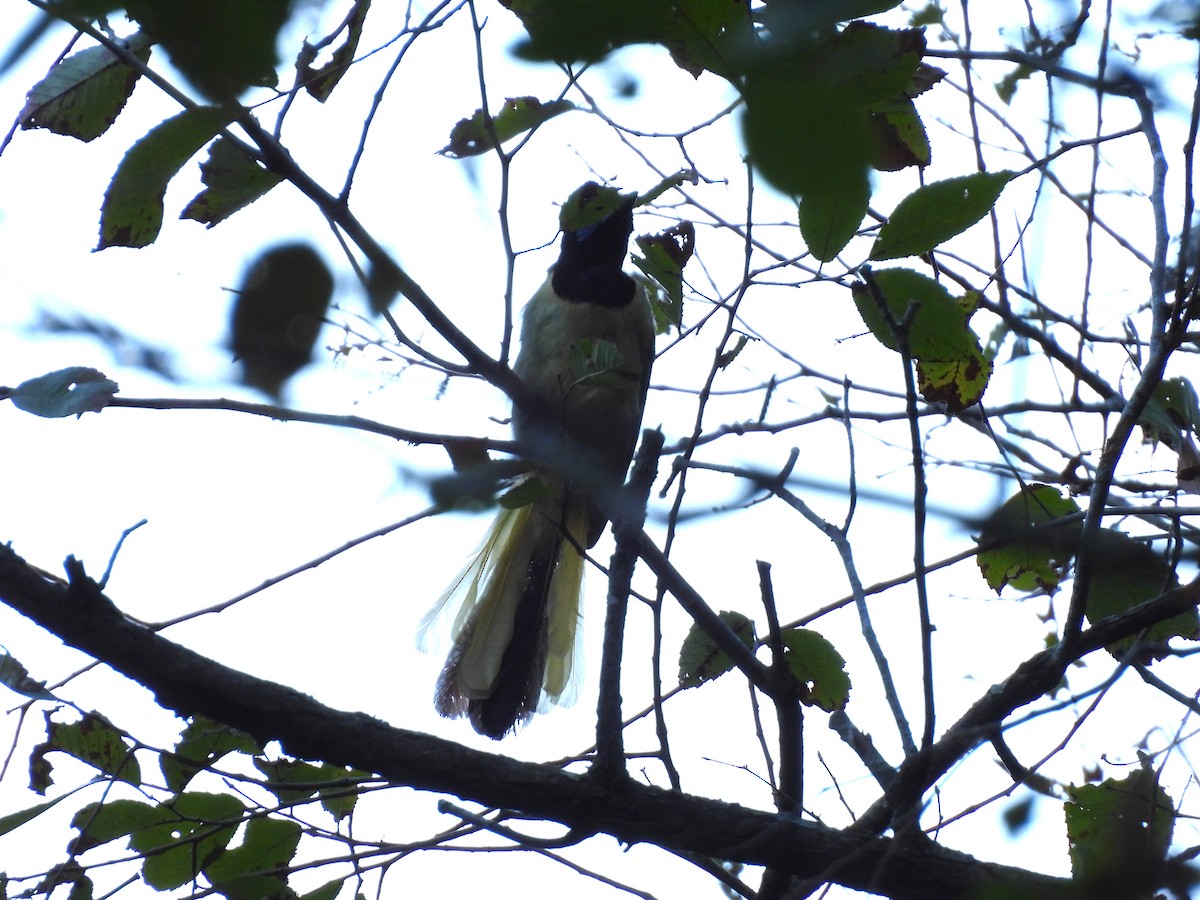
(232, 500)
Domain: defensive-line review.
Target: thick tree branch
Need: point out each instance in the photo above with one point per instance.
(193, 685)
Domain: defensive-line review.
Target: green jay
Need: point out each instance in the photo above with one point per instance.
(587, 344)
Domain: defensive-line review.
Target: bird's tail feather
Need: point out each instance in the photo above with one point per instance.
(515, 630)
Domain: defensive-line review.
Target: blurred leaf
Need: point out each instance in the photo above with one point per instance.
(1172, 412)
(232, 179)
(1006, 87)
(1017, 816)
(67, 392)
(936, 212)
(126, 349)
(132, 213)
(700, 34)
(1119, 833)
(526, 491)
(791, 23)
(82, 95)
(951, 366)
(92, 740)
(201, 744)
(582, 30)
(1027, 554)
(466, 454)
(703, 34)
(383, 284)
(807, 120)
(699, 658)
(1125, 573)
(930, 14)
(470, 137)
(818, 667)
(278, 314)
(663, 258)
(320, 81)
(223, 47)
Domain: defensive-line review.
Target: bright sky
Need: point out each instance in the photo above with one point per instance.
(232, 500)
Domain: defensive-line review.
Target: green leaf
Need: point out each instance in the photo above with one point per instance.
(818, 667)
(15, 820)
(1022, 551)
(568, 31)
(899, 136)
(268, 844)
(82, 95)
(67, 392)
(1119, 833)
(223, 47)
(327, 891)
(598, 363)
(699, 658)
(470, 137)
(589, 204)
(201, 744)
(320, 82)
(99, 823)
(804, 137)
(807, 120)
(70, 872)
(92, 740)
(195, 829)
(936, 212)
(132, 213)
(902, 306)
(663, 260)
(844, 10)
(703, 34)
(15, 676)
(830, 215)
(294, 781)
(726, 358)
(232, 182)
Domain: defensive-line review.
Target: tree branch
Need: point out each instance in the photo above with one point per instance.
(193, 685)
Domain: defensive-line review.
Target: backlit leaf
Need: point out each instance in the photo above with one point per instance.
(132, 213)
(82, 95)
(936, 212)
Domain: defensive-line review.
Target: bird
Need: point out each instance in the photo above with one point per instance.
(587, 346)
